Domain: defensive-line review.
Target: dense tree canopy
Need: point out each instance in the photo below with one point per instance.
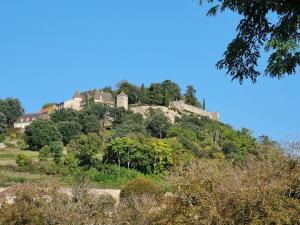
(190, 97)
(63, 115)
(3, 124)
(87, 149)
(12, 109)
(158, 124)
(69, 130)
(271, 25)
(131, 90)
(40, 133)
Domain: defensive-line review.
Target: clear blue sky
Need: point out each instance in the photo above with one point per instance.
(49, 49)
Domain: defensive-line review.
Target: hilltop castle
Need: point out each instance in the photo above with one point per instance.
(98, 96)
(175, 109)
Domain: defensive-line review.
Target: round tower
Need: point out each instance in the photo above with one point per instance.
(122, 100)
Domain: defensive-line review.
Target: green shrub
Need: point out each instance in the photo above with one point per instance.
(140, 187)
(56, 148)
(71, 163)
(112, 176)
(44, 153)
(23, 160)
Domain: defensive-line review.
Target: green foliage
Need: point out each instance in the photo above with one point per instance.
(117, 114)
(3, 124)
(141, 187)
(112, 176)
(12, 110)
(171, 91)
(56, 148)
(158, 124)
(23, 160)
(210, 139)
(131, 124)
(98, 110)
(44, 153)
(40, 133)
(89, 122)
(69, 130)
(124, 152)
(131, 90)
(147, 156)
(71, 163)
(156, 94)
(257, 31)
(160, 155)
(190, 96)
(143, 95)
(86, 149)
(63, 115)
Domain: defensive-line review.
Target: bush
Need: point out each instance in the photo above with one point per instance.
(40, 133)
(23, 160)
(112, 176)
(44, 153)
(56, 148)
(141, 187)
(87, 149)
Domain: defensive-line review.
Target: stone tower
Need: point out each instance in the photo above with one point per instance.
(122, 100)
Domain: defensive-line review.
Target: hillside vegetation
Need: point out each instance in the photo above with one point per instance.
(193, 171)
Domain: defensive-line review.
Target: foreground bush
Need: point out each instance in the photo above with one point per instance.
(112, 175)
(213, 192)
(141, 187)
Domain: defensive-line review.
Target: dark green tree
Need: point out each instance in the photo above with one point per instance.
(190, 96)
(131, 90)
(156, 94)
(143, 95)
(158, 124)
(87, 149)
(40, 133)
(56, 148)
(63, 115)
(98, 110)
(204, 104)
(90, 122)
(12, 109)
(69, 130)
(171, 90)
(117, 114)
(3, 124)
(131, 124)
(271, 25)
(108, 89)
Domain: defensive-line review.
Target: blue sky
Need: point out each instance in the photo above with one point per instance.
(49, 49)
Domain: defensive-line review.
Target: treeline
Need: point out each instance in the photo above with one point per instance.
(157, 93)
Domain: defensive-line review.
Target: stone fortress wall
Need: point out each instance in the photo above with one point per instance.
(176, 109)
(182, 107)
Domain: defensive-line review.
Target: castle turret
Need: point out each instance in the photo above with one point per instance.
(122, 100)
